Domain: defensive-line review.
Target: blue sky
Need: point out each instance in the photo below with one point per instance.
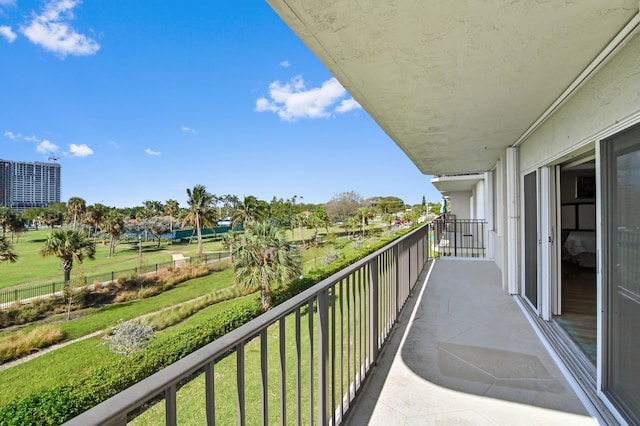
(139, 100)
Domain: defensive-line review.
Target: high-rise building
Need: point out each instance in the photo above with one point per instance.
(28, 184)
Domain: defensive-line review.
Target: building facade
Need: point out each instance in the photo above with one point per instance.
(29, 184)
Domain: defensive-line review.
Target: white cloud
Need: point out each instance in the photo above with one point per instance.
(7, 2)
(151, 152)
(285, 64)
(12, 136)
(32, 138)
(348, 105)
(186, 129)
(293, 100)
(7, 32)
(80, 150)
(51, 30)
(47, 146)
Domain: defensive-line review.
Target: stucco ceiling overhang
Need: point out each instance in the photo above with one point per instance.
(454, 83)
(456, 183)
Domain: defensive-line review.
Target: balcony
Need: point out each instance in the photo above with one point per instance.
(463, 352)
(392, 339)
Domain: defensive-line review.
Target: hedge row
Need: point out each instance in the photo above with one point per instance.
(63, 402)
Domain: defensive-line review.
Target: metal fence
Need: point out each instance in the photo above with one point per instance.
(29, 292)
(459, 237)
(325, 340)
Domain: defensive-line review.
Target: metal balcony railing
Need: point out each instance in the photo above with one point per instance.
(333, 333)
(459, 237)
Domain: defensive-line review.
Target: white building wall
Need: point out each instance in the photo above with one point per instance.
(598, 109)
(460, 204)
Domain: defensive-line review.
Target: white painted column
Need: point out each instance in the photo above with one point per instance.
(512, 237)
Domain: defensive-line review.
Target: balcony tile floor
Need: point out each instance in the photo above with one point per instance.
(465, 354)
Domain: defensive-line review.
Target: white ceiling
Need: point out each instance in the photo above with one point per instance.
(455, 82)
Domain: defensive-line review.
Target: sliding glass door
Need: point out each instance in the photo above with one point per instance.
(621, 253)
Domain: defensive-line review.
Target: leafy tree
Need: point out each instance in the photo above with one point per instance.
(157, 226)
(389, 205)
(265, 259)
(32, 215)
(76, 207)
(5, 219)
(343, 206)
(388, 218)
(51, 217)
(16, 226)
(6, 255)
(200, 212)
(68, 245)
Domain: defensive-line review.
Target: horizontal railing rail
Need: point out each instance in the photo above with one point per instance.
(325, 340)
(33, 291)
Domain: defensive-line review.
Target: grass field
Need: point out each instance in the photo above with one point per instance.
(127, 256)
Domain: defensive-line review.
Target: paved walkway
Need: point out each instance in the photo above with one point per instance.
(464, 354)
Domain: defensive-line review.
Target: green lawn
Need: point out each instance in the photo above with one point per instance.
(53, 367)
(127, 256)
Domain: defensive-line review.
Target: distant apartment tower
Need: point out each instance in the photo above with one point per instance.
(24, 185)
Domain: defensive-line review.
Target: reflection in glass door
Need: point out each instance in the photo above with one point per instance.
(621, 207)
(531, 238)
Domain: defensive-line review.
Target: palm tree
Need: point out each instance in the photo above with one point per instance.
(76, 206)
(68, 245)
(93, 217)
(171, 207)
(6, 255)
(200, 212)
(113, 224)
(300, 220)
(248, 211)
(264, 259)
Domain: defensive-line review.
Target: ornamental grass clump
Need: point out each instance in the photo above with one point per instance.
(128, 337)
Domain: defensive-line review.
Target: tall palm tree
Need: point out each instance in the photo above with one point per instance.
(201, 211)
(6, 255)
(113, 224)
(75, 207)
(68, 245)
(249, 210)
(265, 259)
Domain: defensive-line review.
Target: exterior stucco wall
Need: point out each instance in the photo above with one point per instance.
(611, 95)
(460, 205)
